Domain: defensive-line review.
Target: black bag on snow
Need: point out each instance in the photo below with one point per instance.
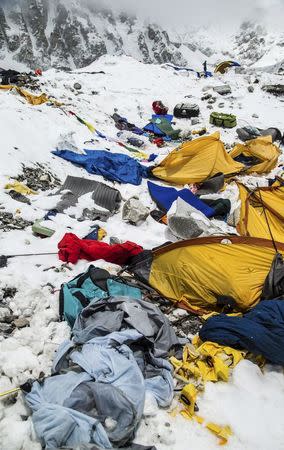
(274, 283)
(186, 110)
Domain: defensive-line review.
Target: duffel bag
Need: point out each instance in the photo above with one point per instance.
(186, 110)
(223, 120)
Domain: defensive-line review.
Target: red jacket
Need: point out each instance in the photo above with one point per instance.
(71, 249)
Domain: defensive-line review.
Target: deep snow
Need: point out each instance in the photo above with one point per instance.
(252, 402)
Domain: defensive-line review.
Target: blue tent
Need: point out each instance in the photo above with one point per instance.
(113, 166)
(260, 331)
(165, 196)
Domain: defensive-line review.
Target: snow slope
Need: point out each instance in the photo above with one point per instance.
(252, 402)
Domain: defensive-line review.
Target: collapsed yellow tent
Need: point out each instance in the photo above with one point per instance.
(32, 99)
(252, 217)
(196, 161)
(198, 272)
(262, 149)
(224, 66)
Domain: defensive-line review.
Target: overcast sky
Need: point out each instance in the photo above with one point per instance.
(173, 13)
(170, 12)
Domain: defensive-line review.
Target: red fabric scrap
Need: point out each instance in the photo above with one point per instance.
(71, 249)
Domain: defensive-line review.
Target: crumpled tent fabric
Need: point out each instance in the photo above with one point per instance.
(71, 249)
(113, 166)
(206, 274)
(247, 133)
(186, 222)
(196, 161)
(20, 188)
(30, 98)
(164, 197)
(205, 361)
(260, 331)
(261, 151)
(212, 185)
(252, 217)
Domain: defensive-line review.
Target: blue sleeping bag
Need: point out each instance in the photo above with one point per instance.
(260, 331)
(113, 166)
(165, 196)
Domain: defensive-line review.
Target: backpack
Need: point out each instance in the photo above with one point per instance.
(94, 283)
(186, 110)
(223, 120)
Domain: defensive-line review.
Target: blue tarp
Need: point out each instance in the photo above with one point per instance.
(260, 331)
(165, 196)
(113, 166)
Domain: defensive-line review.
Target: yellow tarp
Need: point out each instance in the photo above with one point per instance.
(196, 161)
(260, 148)
(31, 98)
(252, 217)
(20, 187)
(194, 273)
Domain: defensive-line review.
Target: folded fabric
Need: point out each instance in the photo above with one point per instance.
(71, 249)
(260, 331)
(113, 166)
(165, 196)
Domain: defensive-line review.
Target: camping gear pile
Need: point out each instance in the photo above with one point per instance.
(225, 266)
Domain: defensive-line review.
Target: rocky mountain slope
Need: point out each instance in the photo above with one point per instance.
(67, 34)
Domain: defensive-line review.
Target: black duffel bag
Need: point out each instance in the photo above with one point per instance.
(186, 110)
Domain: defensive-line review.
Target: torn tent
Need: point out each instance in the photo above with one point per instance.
(71, 249)
(165, 196)
(209, 273)
(196, 161)
(256, 222)
(260, 331)
(113, 166)
(30, 98)
(225, 65)
(259, 155)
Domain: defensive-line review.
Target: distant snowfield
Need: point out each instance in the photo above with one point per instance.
(252, 402)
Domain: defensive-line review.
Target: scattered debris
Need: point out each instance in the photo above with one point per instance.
(275, 89)
(38, 178)
(223, 90)
(134, 211)
(10, 222)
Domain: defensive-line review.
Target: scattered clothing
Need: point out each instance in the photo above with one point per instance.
(71, 249)
(20, 188)
(113, 166)
(94, 283)
(260, 331)
(122, 124)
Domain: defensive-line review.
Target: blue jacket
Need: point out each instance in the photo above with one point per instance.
(260, 331)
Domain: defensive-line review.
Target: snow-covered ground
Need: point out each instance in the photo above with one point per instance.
(252, 402)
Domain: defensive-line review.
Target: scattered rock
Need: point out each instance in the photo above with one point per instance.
(195, 121)
(134, 211)
(223, 90)
(206, 96)
(9, 222)
(209, 106)
(19, 197)
(21, 322)
(250, 88)
(38, 178)
(5, 329)
(255, 116)
(77, 86)
(212, 100)
(275, 89)
(221, 105)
